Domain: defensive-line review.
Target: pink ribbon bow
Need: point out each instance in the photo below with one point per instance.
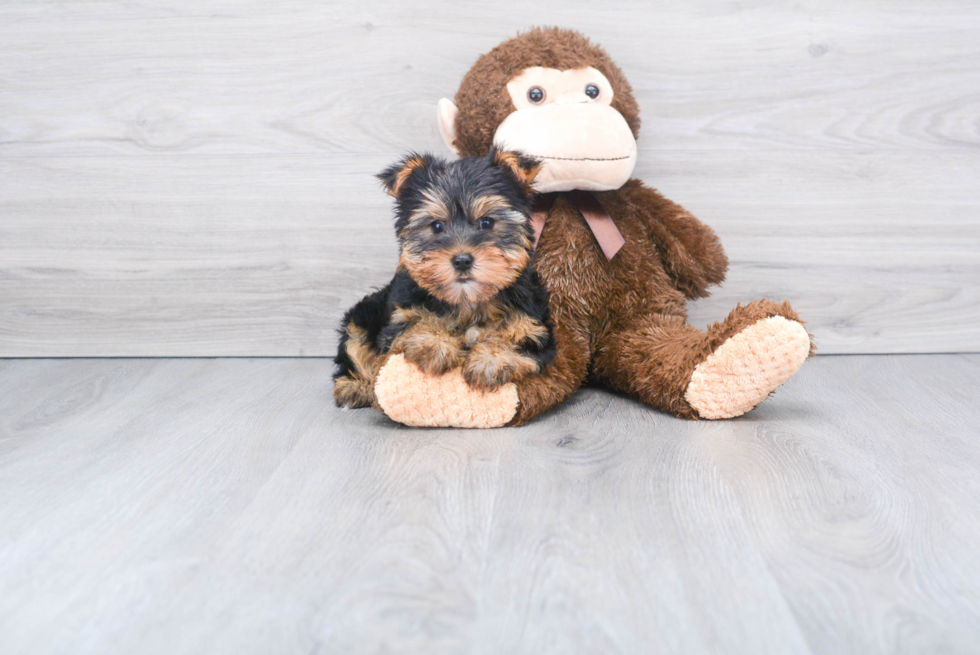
(595, 215)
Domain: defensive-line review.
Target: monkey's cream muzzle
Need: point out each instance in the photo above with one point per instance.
(564, 118)
(583, 146)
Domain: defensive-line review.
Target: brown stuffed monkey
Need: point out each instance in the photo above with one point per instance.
(618, 259)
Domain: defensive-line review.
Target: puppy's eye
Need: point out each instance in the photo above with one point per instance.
(535, 94)
(592, 91)
(486, 223)
(438, 226)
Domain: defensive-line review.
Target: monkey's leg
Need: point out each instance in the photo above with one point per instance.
(721, 373)
(409, 396)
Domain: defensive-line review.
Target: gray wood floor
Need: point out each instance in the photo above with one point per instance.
(224, 506)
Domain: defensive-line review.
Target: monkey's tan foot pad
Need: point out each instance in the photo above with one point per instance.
(747, 367)
(409, 396)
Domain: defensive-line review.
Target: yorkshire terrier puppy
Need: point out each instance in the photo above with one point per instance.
(465, 294)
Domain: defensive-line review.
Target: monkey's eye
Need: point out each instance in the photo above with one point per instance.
(592, 91)
(535, 94)
(486, 223)
(438, 226)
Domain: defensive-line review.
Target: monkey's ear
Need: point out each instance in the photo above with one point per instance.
(447, 122)
(523, 168)
(395, 176)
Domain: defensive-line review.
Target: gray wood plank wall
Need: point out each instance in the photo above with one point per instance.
(196, 178)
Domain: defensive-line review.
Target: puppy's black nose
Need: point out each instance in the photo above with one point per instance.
(463, 262)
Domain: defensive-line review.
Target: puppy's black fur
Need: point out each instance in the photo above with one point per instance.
(476, 208)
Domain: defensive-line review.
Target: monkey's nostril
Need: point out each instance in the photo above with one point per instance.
(463, 262)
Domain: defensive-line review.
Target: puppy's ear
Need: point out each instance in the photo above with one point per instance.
(396, 177)
(521, 167)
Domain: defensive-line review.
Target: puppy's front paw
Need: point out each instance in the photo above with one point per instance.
(490, 365)
(434, 354)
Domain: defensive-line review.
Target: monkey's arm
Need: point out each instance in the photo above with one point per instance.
(689, 250)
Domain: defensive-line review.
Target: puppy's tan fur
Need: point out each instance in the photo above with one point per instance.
(482, 339)
(357, 390)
